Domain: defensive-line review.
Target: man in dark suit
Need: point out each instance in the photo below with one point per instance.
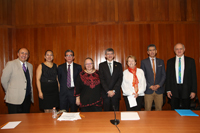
(154, 70)
(110, 73)
(181, 81)
(67, 74)
(17, 83)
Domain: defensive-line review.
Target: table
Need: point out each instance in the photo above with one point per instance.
(99, 122)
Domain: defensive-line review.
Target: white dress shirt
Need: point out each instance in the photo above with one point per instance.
(22, 64)
(152, 62)
(71, 72)
(127, 86)
(182, 68)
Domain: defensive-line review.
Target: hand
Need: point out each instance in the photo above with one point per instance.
(111, 93)
(136, 95)
(152, 87)
(169, 94)
(77, 101)
(40, 95)
(156, 87)
(192, 95)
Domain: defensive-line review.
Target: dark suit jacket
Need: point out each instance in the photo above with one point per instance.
(109, 82)
(189, 78)
(62, 75)
(160, 75)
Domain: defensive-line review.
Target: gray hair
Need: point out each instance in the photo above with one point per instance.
(151, 45)
(181, 44)
(109, 50)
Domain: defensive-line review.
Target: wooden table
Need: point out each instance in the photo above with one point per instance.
(99, 122)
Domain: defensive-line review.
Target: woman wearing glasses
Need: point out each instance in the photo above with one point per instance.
(88, 88)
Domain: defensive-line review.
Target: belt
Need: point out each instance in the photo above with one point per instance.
(70, 88)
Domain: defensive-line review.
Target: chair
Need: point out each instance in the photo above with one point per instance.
(194, 105)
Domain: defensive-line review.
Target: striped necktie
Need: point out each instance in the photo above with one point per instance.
(68, 77)
(110, 68)
(179, 71)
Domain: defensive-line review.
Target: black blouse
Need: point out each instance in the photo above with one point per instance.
(88, 87)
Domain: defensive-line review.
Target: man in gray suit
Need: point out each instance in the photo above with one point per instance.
(17, 83)
(154, 70)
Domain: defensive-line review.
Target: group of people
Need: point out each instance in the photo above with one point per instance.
(67, 86)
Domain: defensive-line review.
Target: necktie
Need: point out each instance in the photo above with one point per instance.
(179, 71)
(68, 77)
(110, 68)
(24, 68)
(154, 71)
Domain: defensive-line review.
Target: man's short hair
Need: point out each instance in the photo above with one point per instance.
(24, 48)
(181, 44)
(151, 45)
(69, 50)
(109, 50)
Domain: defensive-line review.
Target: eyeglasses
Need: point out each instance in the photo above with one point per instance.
(89, 64)
(70, 55)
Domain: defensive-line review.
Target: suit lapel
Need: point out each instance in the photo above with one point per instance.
(186, 65)
(20, 68)
(107, 68)
(173, 66)
(65, 69)
(149, 64)
(74, 68)
(114, 67)
(157, 62)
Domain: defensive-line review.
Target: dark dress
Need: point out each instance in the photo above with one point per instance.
(49, 87)
(88, 87)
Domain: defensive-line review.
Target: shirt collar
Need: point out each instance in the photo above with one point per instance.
(22, 63)
(69, 64)
(180, 57)
(110, 62)
(152, 58)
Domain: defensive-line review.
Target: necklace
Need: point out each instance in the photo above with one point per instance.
(89, 72)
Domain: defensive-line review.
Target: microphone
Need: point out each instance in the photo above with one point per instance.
(115, 121)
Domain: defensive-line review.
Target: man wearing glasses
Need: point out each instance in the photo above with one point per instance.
(67, 74)
(110, 74)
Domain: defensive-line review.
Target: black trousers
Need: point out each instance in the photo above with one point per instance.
(109, 102)
(68, 100)
(176, 102)
(22, 108)
(140, 101)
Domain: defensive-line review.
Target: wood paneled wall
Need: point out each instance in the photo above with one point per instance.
(90, 26)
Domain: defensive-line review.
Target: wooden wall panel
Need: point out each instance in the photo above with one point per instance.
(45, 12)
(5, 56)
(88, 27)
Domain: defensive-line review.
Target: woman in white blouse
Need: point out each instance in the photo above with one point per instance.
(133, 85)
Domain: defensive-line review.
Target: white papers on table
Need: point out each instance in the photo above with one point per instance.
(69, 116)
(132, 101)
(11, 125)
(129, 116)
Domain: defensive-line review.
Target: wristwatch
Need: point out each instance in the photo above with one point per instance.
(114, 91)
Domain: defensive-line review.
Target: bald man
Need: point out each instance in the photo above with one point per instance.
(17, 83)
(181, 79)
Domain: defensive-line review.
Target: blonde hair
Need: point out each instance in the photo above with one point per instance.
(132, 57)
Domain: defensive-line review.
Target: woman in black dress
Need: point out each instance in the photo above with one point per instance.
(47, 83)
(88, 88)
